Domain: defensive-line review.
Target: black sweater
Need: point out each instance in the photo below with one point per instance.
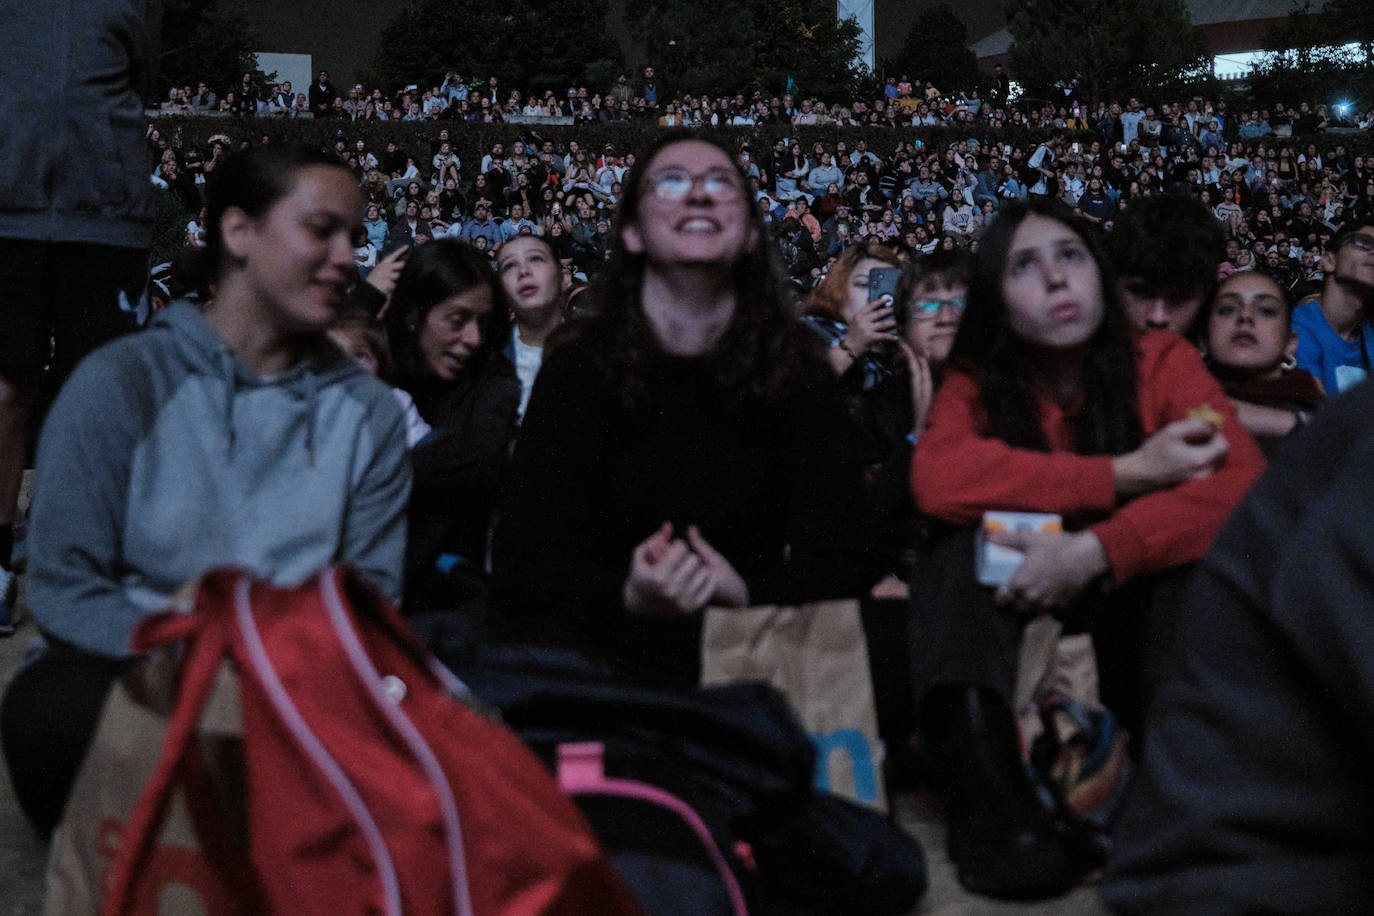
(773, 489)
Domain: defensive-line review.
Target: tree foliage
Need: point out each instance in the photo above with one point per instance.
(204, 40)
(936, 49)
(527, 44)
(700, 46)
(1319, 54)
(1118, 48)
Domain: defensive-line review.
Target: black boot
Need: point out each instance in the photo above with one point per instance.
(1001, 839)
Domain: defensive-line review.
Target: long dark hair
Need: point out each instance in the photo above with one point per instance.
(434, 272)
(1108, 422)
(758, 358)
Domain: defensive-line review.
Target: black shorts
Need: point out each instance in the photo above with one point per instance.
(61, 300)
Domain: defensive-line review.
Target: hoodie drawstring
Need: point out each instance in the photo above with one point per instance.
(312, 397)
(226, 363)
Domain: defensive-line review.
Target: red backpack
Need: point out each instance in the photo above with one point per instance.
(368, 785)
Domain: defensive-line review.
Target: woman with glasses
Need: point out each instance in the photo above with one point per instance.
(685, 447)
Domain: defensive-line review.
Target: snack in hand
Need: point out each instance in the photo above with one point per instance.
(1209, 413)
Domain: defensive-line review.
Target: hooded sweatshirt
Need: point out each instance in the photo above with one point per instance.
(165, 457)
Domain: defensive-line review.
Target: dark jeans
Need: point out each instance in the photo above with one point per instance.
(960, 635)
(47, 720)
(887, 631)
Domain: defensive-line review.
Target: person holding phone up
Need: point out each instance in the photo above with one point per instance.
(859, 326)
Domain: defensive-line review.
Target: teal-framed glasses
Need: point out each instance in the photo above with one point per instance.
(927, 309)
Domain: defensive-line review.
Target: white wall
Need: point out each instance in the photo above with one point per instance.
(294, 67)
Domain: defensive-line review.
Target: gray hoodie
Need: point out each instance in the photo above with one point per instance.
(165, 456)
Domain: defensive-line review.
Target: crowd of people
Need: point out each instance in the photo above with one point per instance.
(1279, 200)
(903, 102)
(574, 397)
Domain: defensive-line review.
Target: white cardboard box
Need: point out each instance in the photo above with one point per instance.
(995, 563)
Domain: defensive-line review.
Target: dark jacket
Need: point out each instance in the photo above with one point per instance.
(1254, 792)
(459, 471)
(75, 166)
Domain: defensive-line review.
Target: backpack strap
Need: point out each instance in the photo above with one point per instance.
(582, 771)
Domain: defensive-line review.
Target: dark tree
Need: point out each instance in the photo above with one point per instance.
(527, 44)
(1120, 47)
(702, 46)
(937, 50)
(1322, 54)
(206, 40)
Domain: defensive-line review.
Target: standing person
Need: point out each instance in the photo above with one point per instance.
(1051, 404)
(73, 240)
(691, 437)
(323, 95)
(299, 456)
(1041, 167)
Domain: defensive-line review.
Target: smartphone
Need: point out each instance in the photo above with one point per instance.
(883, 281)
(1075, 148)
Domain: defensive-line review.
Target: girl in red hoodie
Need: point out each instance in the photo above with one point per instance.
(1052, 405)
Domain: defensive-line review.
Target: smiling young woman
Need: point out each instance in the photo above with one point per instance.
(685, 447)
(235, 434)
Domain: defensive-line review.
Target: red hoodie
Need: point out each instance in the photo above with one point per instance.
(958, 472)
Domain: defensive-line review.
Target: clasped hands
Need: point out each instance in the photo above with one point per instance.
(1058, 566)
(674, 576)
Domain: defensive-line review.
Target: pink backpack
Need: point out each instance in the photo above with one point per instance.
(369, 785)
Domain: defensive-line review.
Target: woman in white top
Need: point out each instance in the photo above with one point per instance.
(533, 282)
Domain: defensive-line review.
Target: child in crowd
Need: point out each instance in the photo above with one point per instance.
(892, 418)
(533, 281)
(362, 337)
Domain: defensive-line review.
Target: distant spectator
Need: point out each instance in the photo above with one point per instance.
(323, 96)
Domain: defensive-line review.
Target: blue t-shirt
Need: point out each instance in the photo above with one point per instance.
(1339, 363)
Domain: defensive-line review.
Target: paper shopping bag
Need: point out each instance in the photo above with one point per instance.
(816, 655)
(176, 878)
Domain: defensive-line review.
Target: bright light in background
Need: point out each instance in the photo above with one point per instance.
(1237, 65)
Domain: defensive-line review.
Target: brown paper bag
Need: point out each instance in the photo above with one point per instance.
(817, 656)
(122, 757)
(1049, 661)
